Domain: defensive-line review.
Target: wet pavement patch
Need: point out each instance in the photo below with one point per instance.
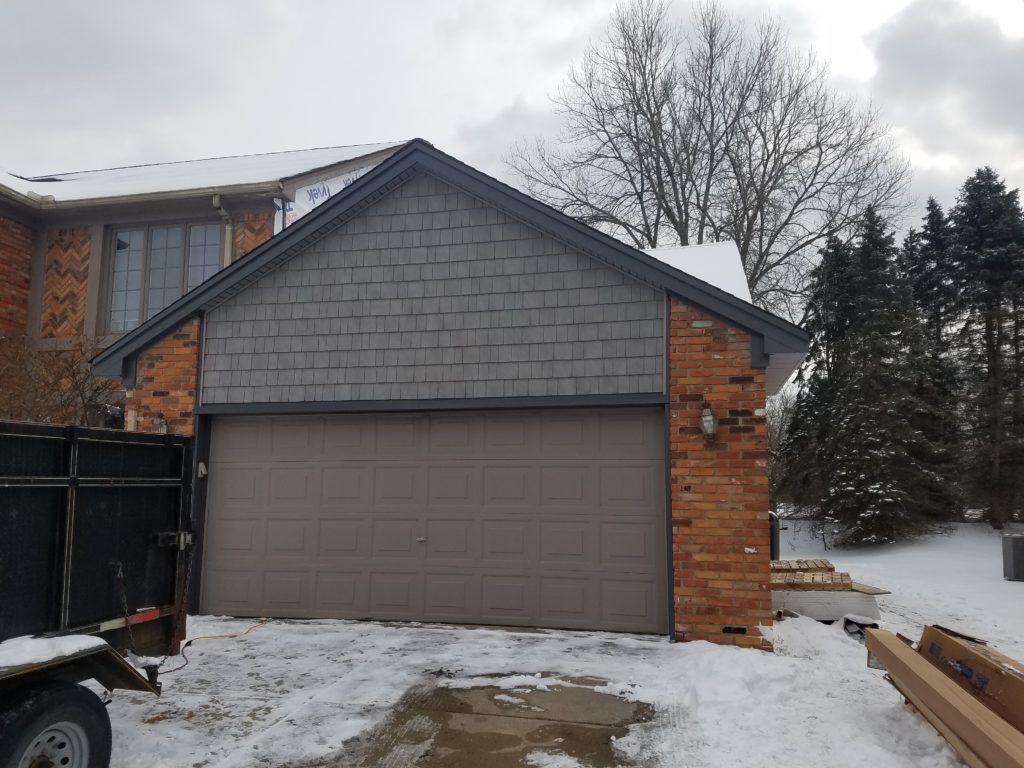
(437, 727)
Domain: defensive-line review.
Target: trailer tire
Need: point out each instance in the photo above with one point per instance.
(54, 723)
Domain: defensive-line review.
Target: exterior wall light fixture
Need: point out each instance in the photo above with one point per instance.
(708, 422)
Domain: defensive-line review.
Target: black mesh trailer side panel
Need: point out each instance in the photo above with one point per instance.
(88, 520)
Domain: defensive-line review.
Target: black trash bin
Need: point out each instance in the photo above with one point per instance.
(1013, 556)
(774, 525)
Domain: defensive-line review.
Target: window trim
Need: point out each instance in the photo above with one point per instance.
(105, 303)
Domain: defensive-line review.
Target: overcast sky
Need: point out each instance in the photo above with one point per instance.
(104, 83)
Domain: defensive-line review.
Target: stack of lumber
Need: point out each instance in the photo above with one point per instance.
(952, 702)
(816, 589)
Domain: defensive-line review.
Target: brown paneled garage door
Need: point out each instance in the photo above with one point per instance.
(548, 518)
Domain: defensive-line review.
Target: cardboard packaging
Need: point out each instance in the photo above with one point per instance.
(994, 679)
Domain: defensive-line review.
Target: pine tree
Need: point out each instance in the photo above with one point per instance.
(865, 464)
(927, 271)
(988, 252)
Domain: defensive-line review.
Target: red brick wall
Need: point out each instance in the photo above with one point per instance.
(165, 382)
(65, 281)
(720, 530)
(250, 230)
(15, 271)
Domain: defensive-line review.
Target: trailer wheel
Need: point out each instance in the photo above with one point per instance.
(54, 725)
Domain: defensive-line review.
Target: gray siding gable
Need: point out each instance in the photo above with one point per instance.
(432, 294)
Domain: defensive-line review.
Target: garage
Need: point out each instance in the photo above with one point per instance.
(543, 517)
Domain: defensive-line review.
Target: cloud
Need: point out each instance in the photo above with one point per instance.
(949, 80)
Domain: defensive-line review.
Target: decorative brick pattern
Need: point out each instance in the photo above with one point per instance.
(166, 376)
(250, 230)
(15, 270)
(64, 286)
(720, 530)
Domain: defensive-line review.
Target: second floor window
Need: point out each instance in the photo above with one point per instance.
(152, 266)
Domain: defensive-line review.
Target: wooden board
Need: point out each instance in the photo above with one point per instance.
(807, 566)
(816, 581)
(987, 739)
(868, 590)
(826, 605)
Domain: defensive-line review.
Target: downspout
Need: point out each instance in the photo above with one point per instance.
(228, 227)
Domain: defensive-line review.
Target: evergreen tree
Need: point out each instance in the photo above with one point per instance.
(988, 252)
(927, 270)
(853, 448)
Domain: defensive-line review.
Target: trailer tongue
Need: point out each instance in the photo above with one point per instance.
(95, 547)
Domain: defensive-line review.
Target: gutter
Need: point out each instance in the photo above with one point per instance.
(50, 204)
(228, 228)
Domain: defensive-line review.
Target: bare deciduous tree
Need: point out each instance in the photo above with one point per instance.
(55, 386)
(717, 130)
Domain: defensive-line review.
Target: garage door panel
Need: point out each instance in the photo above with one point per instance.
(290, 537)
(453, 485)
(241, 440)
(510, 485)
(396, 538)
(631, 487)
(627, 436)
(237, 486)
(233, 592)
(287, 591)
(509, 542)
(510, 435)
(458, 436)
(451, 596)
(452, 538)
(346, 486)
(508, 597)
(294, 440)
(293, 487)
(568, 542)
(630, 542)
(567, 599)
(567, 485)
(396, 595)
(341, 594)
(343, 538)
(237, 537)
(399, 485)
(528, 518)
(351, 438)
(624, 603)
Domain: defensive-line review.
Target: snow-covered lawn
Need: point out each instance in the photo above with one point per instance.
(289, 693)
(953, 579)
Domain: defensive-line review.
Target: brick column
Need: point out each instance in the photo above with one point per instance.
(166, 378)
(15, 271)
(250, 230)
(720, 531)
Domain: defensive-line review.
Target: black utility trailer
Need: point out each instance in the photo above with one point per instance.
(95, 546)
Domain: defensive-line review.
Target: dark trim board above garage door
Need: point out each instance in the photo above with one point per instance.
(550, 518)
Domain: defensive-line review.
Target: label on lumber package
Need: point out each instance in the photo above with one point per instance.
(996, 680)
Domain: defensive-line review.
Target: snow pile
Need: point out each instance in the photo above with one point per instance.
(19, 651)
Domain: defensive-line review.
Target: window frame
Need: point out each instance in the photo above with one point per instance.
(147, 226)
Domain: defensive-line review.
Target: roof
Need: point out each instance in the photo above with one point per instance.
(719, 264)
(217, 173)
(772, 335)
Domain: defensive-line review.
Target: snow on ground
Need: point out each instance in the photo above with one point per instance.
(291, 692)
(953, 579)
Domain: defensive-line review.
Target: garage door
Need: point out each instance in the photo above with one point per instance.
(550, 518)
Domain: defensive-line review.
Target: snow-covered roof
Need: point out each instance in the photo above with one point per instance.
(212, 173)
(716, 263)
